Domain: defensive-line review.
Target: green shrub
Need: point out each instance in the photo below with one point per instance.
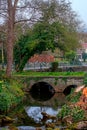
(54, 66)
(76, 113)
(74, 97)
(85, 79)
(65, 110)
(10, 94)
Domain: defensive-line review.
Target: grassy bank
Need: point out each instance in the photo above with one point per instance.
(36, 74)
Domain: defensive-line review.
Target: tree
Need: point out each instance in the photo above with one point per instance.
(17, 11)
(70, 56)
(43, 37)
(2, 47)
(23, 50)
(59, 11)
(9, 10)
(35, 41)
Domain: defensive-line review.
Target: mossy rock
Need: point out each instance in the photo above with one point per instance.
(53, 129)
(49, 129)
(79, 125)
(11, 127)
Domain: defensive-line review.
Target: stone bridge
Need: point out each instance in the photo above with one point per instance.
(58, 83)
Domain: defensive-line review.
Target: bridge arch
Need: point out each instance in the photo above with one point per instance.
(42, 90)
(68, 89)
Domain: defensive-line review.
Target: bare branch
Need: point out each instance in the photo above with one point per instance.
(26, 20)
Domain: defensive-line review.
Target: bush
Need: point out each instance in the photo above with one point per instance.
(74, 97)
(54, 66)
(76, 112)
(85, 79)
(10, 94)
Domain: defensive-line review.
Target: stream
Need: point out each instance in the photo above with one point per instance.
(35, 108)
(28, 116)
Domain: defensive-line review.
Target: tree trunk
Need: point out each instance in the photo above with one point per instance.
(10, 38)
(9, 50)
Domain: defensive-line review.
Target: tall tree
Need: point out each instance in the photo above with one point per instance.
(14, 11)
(9, 10)
(43, 37)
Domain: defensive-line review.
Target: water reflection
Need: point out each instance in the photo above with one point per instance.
(35, 112)
(51, 107)
(58, 99)
(26, 128)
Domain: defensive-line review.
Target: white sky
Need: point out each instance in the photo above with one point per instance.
(80, 6)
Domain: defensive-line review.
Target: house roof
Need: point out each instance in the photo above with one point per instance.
(41, 58)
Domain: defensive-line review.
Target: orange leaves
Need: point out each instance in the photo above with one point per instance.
(83, 99)
(84, 92)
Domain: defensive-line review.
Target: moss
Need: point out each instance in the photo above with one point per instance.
(11, 127)
(64, 79)
(76, 113)
(56, 79)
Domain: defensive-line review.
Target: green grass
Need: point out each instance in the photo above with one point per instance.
(37, 74)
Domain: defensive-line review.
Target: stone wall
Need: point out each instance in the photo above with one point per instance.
(58, 83)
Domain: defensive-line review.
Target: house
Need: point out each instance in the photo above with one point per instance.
(39, 61)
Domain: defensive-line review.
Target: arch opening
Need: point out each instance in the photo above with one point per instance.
(42, 91)
(68, 89)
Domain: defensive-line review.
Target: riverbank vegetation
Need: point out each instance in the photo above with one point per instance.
(74, 112)
(11, 89)
(11, 94)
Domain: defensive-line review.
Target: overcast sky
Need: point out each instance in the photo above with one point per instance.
(80, 6)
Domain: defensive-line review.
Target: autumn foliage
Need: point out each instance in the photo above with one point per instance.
(84, 92)
(83, 99)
